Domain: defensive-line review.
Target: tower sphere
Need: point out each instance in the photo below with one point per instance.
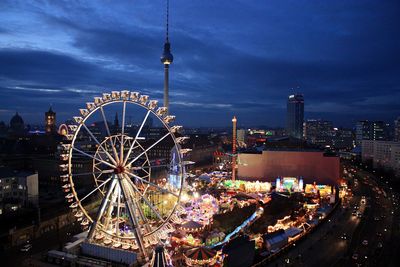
(167, 57)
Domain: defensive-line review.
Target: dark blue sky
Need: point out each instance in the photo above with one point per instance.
(231, 57)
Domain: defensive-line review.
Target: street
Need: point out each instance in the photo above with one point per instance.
(325, 247)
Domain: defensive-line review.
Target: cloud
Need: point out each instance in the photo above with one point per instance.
(237, 57)
(202, 105)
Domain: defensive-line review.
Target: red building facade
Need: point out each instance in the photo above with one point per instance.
(313, 166)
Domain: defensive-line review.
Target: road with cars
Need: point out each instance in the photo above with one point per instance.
(363, 231)
(374, 241)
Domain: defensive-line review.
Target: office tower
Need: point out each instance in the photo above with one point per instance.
(295, 115)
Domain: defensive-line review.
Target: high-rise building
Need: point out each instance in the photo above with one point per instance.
(318, 132)
(295, 115)
(50, 120)
(384, 154)
(362, 131)
(370, 130)
(241, 136)
(343, 139)
(397, 129)
(166, 59)
(379, 130)
(18, 189)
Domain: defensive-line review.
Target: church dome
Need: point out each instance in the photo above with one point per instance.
(16, 122)
(16, 119)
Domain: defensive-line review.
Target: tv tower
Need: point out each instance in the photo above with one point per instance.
(234, 120)
(166, 59)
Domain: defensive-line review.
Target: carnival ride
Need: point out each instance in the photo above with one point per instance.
(112, 164)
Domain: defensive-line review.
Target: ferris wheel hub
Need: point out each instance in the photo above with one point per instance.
(119, 169)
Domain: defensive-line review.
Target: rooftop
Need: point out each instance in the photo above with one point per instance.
(6, 172)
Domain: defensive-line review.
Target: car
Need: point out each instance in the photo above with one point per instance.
(380, 245)
(354, 213)
(379, 234)
(365, 242)
(355, 256)
(359, 215)
(343, 236)
(26, 248)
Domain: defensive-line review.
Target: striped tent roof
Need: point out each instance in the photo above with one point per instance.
(200, 254)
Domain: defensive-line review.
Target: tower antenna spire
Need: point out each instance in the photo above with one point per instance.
(167, 24)
(166, 60)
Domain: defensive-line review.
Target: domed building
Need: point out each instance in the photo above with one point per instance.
(17, 124)
(3, 129)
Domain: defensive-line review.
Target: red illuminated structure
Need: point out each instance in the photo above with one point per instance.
(234, 120)
(313, 166)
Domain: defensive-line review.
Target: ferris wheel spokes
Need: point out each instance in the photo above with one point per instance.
(93, 157)
(90, 173)
(131, 207)
(141, 212)
(94, 190)
(102, 206)
(122, 145)
(147, 149)
(100, 145)
(152, 184)
(136, 137)
(108, 132)
(142, 196)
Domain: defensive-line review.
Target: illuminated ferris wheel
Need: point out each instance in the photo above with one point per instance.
(118, 182)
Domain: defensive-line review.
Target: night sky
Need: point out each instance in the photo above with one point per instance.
(230, 57)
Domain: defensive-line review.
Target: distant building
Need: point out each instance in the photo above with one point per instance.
(17, 189)
(370, 130)
(3, 129)
(343, 139)
(383, 154)
(314, 166)
(378, 130)
(397, 130)
(203, 149)
(318, 132)
(323, 134)
(295, 115)
(241, 136)
(50, 121)
(17, 126)
(289, 157)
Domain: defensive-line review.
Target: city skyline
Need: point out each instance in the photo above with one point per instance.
(344, 61)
